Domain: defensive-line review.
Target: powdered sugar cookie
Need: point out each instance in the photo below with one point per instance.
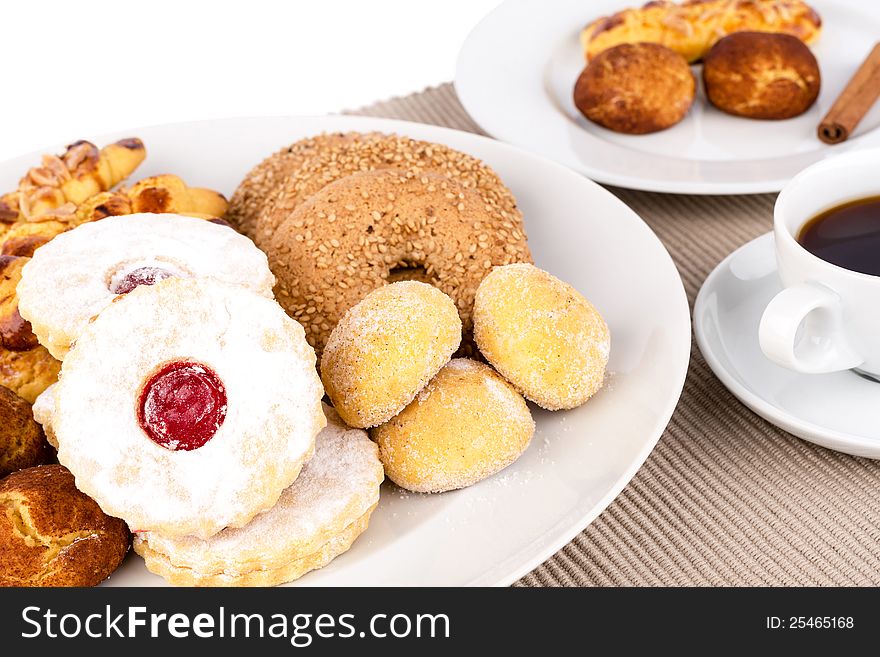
(79, 273)
(43, 410)
(315, 519)
(467, 424)
(542, 335)
(386, 348)
(188, 406)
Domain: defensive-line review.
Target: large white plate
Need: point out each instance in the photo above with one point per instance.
(517, 69)
(498, 530)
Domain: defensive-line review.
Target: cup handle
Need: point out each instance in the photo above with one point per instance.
(822, 346)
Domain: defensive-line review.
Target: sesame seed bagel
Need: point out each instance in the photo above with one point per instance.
(465, 425)
(335, 156)
(257, 189)
(371, 228)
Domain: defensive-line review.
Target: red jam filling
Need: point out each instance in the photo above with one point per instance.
(182, 405)
(138, 277)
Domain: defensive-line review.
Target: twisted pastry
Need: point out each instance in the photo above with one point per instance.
(692, 27)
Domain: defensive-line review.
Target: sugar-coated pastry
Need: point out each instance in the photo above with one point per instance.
(73, 278)
(316, 519)
(636, 88)
(26, 367)
(188, 406)
(465, 425)
(52, 534)
(542, 335)
(22, 444)
(386, 348)
(761, 76)
(375, 227)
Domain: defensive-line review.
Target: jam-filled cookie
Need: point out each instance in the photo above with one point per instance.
(51, 534)
(188, 406)
(74, 277)
(315, 520)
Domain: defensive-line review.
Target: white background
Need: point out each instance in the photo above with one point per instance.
(75, 68)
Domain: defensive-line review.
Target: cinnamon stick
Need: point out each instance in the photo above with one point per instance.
(854, 101)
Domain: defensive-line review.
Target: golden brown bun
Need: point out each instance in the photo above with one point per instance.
(22, 444)
(636, 88)
(53, 535)
(692, 28)
(26, 368)
(761, 76)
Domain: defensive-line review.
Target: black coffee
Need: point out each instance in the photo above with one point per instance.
(847, 236)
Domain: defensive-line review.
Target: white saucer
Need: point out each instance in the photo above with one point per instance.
(840, 411)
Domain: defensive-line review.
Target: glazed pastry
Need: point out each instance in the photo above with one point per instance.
(54, 189)
(316, 519)
(467, 424)
(761, 76)
(386, 348)
(53, 535)
(691, 28)
(542, 335)
(188, 406)
(169, 194)
(26, 367)
(636, 88)
(368, 229)
(69, 281)
(22, 444)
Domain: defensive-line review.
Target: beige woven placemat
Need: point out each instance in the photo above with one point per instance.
(725, 498)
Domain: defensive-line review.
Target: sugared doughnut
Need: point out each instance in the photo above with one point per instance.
(542, 335)
(386, 348)
(369, 228)
(26, 367)
(53, 535)
(316, 519)
(79, 273)
(22, 444)
(332, 157)
(188, 406)
(465, 425)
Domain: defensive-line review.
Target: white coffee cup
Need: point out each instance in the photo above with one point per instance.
(827, 318)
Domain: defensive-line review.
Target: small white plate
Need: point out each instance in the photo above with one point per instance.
(496, 531)
(517, 70)
(840, 411)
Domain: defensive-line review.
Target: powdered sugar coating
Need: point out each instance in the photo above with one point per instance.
(386, 348)
(465, 425)
(273, 407)
(43, 410)
(338, 486)
(70, 279)
(542, 335)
